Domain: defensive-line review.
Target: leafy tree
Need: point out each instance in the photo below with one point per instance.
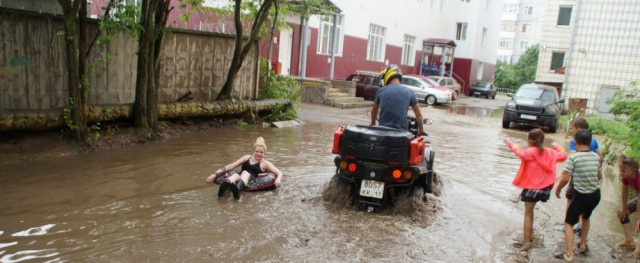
(256, 12)
(512, 76)
(525, 69)
(78, 47)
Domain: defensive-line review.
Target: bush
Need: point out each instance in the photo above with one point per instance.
(626, 108)
(275, 86)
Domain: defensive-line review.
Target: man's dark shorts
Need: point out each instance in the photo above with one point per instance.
(581, 205)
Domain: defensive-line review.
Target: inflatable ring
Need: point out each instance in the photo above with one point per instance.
(262, 182)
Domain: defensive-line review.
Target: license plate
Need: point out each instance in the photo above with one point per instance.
(372, 188)
(476, 93)
(528, 117)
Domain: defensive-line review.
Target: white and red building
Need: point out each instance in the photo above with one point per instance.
(372, 34)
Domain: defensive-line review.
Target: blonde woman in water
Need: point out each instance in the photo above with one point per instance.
(252, 165)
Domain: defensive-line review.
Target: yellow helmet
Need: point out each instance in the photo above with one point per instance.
(390, 72)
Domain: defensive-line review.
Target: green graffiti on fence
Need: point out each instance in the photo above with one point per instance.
(19, 62)
(15, 66)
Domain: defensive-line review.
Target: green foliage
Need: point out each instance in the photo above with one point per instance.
(512, 76)
(66, 115)
(505, 77)
(626, 107)
(275, 86)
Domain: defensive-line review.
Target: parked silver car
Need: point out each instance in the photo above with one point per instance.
(425, 91)
(448, 82)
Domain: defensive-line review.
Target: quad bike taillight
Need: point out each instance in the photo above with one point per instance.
(352, 167)
(407, 174)
(396, 174)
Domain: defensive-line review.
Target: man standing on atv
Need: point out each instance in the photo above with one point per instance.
(393, 100)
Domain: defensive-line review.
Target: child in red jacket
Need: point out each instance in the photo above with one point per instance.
(537, 175)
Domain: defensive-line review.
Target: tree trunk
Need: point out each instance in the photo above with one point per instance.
(141, 110)
(77, 120)
(240, 51)
(145, 105)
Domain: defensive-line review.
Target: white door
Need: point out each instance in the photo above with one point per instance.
(284, 54)
(603, 106)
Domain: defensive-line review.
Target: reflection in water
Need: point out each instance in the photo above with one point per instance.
(150, 202)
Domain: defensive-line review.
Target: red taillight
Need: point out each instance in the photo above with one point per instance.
(351, 167)
(396, 174)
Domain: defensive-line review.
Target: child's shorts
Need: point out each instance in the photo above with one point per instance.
(535, 195)
(582, 205)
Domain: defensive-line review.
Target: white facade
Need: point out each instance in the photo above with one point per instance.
(521, 28)
(600, 48)
(424, 19)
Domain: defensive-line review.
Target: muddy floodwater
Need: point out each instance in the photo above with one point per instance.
(150, 203)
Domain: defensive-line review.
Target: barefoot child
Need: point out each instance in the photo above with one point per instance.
(584, 166)
(630, 175)
(536, 175)
(576, 125)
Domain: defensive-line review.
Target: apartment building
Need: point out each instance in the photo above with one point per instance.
(521, 28)
(589, 50)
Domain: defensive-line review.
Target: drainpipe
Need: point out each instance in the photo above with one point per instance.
(303, 48)
(572, 47)
(332, 45)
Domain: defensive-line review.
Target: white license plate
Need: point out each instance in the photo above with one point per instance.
(476, 93)
(528, 117)
(372, 188)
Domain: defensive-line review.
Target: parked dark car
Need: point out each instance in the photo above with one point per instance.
(367, 83)
(483, 89)
(534, 104)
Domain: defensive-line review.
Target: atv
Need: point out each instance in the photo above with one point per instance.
(380, 163)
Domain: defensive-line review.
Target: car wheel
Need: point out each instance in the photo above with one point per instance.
(505, 124)
(430, 100)
(553, 128)
(493, 97)
(487, 96)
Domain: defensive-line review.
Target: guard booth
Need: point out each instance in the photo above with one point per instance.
(437, 57)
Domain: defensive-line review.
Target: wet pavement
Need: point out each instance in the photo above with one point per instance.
(150, 203)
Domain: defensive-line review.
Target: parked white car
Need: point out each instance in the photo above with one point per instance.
(425, 91)
(447, 82)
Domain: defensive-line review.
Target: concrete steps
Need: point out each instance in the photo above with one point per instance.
(343, 100)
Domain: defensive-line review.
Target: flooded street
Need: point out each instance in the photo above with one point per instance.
(150, 203)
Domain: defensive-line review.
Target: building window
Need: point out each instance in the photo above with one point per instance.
(408, 50)
(376, 45)
(484, 36)
(524, 45)
(564, 16)
(461, 31)
(508, 26)
(524, 28)
(528, 10)
(505, 43)
(510, 8)
(557, 60)
(325, 30)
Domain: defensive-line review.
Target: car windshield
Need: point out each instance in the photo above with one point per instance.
(483, 84)
(531, 93)
(535, 93)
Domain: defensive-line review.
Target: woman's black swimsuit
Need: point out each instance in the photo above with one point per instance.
(253, 169)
